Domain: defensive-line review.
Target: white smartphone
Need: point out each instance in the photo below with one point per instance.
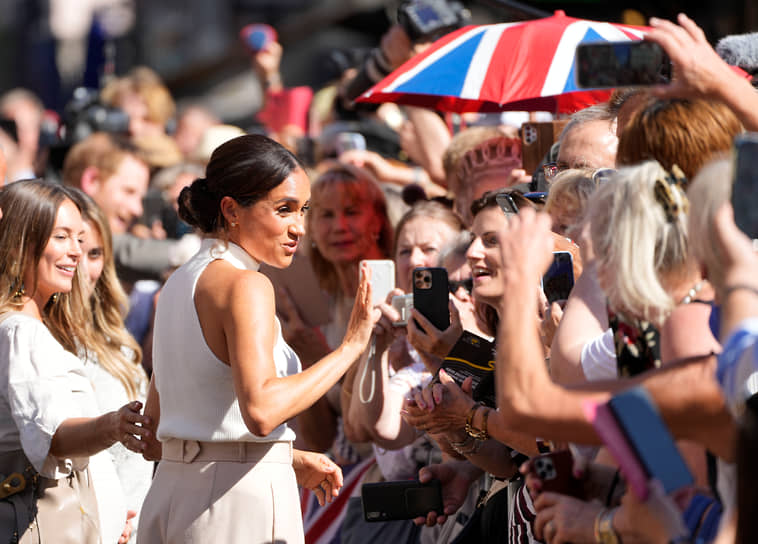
(382, 278)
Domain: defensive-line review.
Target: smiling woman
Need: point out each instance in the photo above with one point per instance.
(48, 414)
(225, 382)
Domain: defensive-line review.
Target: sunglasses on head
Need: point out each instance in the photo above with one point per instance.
(467, 284)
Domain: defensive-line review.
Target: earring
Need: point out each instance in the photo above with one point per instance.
(233, 224)
(20, 292)
(54, 298)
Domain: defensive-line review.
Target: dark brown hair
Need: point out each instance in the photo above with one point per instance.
(245, 168)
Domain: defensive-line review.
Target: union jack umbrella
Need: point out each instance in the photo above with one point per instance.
(522, 66)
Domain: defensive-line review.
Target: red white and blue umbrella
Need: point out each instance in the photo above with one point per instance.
(522, 66)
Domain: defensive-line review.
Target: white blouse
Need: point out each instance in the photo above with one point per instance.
(196, 389)
(45, 386)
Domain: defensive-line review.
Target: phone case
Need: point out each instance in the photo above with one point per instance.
(556, 470)
(430, 295)
(406, 499)
(559, 278)
(650, 438)
(607, 428)
(473, 356)
(382, 279)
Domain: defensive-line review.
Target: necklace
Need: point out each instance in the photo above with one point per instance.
(690, 296)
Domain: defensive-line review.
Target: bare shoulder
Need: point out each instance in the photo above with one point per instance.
(227, 286)
(687, 333)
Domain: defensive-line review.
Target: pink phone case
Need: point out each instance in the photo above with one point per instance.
(606, 426)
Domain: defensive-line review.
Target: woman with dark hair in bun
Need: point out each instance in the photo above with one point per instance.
(224, 381)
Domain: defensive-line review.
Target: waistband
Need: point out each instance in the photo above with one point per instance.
(192, 451)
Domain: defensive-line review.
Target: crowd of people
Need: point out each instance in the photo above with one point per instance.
(192, 350)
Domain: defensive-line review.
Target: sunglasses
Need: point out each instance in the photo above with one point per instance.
(467, 284)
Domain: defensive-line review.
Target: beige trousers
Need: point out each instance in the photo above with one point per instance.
(206, 492)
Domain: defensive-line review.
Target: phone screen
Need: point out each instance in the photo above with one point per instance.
(619, 64)
(559, 278)
(745, 187)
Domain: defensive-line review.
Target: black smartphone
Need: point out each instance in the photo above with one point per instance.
(430, 295)
(406, 499)
(559, 278)
(621, 64)
(745, 186)
(506, 203)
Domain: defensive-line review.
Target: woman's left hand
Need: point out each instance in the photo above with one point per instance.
(318, 473)
(561, 518)
(128, 528)
(426, 337)
(441, 407)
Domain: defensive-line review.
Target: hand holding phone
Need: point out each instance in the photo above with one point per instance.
(256, 37)
(745, 186)
(406, 499)
(559, 278)
(621, 64)
(382, 278)
(431, 295)
(555, 471)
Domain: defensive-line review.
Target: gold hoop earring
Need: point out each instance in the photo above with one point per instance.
(20, 292)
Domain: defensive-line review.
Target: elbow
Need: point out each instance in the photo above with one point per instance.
(259, 422)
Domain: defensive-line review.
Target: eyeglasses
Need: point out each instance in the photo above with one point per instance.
(552, 169)
(467, 284)
(602, 175)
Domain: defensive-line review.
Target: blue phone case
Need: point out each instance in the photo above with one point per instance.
(647, 433)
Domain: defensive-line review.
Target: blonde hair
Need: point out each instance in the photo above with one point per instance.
(570, 190)
(637, 242)
(145, 83)
(107, 335)
(361, 186)
(30, 208)
(708, 191)
(457, 148)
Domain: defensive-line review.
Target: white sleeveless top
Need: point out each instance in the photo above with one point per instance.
(196, 389)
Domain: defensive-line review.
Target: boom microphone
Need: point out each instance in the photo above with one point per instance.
(740, 50)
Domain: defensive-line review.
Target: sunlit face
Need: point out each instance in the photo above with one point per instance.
(564, 220)
(57, 266)
(271, 229)
(590, 145)
(419, 244)
(345, 227)
(120, 196)
(93, 256)
(484, 255)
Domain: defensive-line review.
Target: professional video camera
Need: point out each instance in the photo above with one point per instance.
(425, 20)
(422, 20)
(82, 115)
(85, 114)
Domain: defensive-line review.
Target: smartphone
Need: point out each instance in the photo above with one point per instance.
(407, 499)
(745, 186)
(506, 203)
(556, 470)
(559, 278)
(382, 278)
(403, 305)
(257, 36)
(431, 295)
(621, 64)
(632, 428)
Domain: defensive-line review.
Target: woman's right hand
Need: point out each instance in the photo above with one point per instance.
(128, 426)
(363, 316)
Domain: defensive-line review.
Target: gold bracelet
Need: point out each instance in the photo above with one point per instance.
(477, 434)
(604, 531)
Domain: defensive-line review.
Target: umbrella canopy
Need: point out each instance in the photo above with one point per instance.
(523, 66)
